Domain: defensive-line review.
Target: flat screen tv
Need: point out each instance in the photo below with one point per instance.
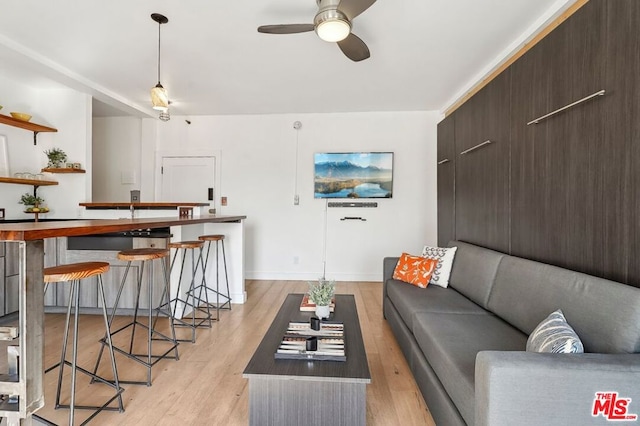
(353, 175)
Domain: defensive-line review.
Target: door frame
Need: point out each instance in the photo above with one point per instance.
(217, 191)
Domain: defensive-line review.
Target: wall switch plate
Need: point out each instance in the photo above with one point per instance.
(296, 200)
(223, 201)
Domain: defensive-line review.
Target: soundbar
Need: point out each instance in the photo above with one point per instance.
(353, 204)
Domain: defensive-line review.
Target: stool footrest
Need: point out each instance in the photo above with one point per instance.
(143, 358)
(187, 320)
(138, 358)
(143, 325)
(215, 305)
(97, 408)
(94, 377)
(197, 324)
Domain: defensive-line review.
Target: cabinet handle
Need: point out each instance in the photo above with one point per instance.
(473, 148)
(446, 160)
(353, 218)
(571, 105)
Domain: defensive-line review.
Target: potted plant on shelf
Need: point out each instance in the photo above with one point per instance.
(56, 157)
(321, 293)
(32, 203)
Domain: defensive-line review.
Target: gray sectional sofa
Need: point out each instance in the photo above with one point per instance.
(466, 343)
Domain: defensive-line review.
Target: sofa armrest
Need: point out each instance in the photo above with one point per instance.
(388, 265)
(387, 268)
(527, 388)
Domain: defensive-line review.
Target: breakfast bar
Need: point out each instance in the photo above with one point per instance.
(27, 382)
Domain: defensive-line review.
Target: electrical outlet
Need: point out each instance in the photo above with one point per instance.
(223, 201)
(296, 200)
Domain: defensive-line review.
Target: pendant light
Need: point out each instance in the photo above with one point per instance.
(159, 96)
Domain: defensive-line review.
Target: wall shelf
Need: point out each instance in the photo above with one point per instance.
(63, 170)
(27, 125)
(32, 182)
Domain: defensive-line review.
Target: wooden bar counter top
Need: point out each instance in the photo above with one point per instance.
(141, 205)
(38, 231)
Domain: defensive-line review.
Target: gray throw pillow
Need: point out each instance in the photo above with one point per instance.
(554, 335)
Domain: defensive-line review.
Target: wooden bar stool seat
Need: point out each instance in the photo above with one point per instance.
(74, 273)
(186, 244)
(218, 239)
(200, 316)
(143, 254)
(149, 358)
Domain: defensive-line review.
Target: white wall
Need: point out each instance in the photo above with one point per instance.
(284, 241)
(70, 112)
(116, 158)
(257, 157)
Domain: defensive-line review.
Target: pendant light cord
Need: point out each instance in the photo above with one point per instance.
(159, 25)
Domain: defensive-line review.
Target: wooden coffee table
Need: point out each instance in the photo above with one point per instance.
(300, 392)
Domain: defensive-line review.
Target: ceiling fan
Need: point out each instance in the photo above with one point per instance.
(332, 23)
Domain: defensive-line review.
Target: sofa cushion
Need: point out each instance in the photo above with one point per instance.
(474, 269)
(605, 314)
(451, 342)
(409, 300)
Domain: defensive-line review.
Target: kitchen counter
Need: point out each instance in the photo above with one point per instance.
(29, 237)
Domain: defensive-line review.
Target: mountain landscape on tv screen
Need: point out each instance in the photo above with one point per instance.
(344, 179)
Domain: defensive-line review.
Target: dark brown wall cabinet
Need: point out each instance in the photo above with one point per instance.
(446, 180)
(563, 189)
(482, 166)
(554, 201)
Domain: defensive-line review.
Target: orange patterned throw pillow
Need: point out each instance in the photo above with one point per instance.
(414, 270)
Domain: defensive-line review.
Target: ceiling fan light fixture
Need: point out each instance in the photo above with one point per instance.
(332, 25)
(159, 98)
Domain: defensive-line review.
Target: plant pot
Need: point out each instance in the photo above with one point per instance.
(322, 311)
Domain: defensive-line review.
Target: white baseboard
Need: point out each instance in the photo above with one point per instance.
(309, 276)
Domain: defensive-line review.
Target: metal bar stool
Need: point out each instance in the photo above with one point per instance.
(74, 273)
(218, 239)
(196, 262)
(146, 256)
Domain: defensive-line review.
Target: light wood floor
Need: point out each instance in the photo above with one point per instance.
(205, 387)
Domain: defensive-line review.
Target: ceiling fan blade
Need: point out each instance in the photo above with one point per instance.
(353, 8)
(354, 48)
(286, 28)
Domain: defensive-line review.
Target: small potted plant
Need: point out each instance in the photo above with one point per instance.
(32, 203)
(321, 293)
(56, 157)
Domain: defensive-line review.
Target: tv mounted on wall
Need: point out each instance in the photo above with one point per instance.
(353, 175)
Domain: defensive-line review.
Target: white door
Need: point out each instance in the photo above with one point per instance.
(188, 179)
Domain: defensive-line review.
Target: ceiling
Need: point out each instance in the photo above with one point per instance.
(424, 53)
